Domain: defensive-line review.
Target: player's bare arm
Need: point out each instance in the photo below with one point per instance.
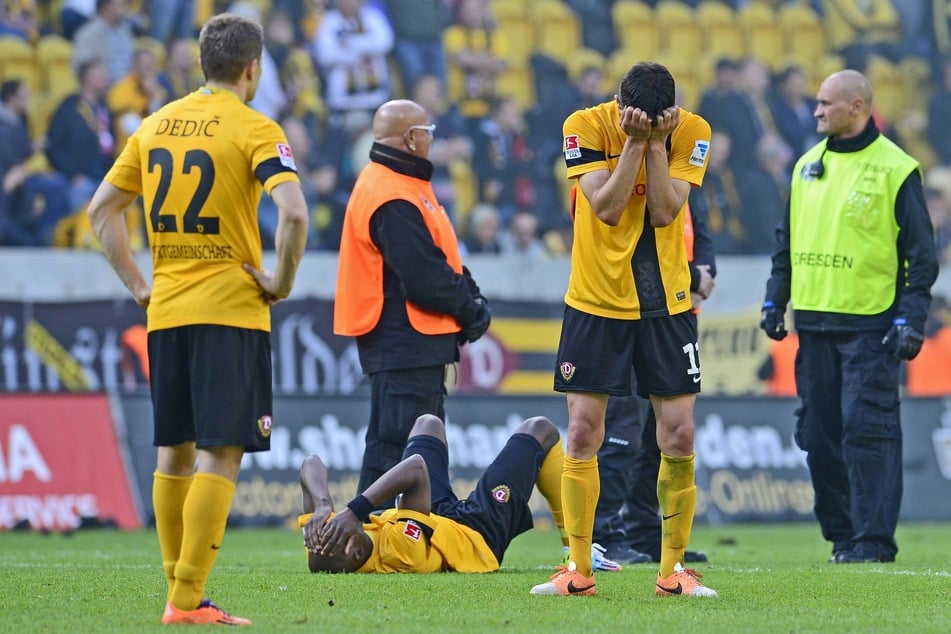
(289, 242)
(610, 192)
(108, 222)
(409, 478)
(665, 196)
(316, 493)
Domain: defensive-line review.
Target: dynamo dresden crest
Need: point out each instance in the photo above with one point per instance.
(567, 370)
(501, 494)
(264, 426)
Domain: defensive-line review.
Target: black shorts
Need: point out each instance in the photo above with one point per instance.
(597, 354)
(211, 385)
(498, 507)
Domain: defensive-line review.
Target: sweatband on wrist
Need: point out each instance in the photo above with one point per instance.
(361, 507)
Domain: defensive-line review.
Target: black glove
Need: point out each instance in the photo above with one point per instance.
(477, 328)
(907, 340)
(474, 289)
(772, 321)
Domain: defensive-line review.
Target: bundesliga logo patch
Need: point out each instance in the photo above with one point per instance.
(501, 494)
(572, 147)
(285, 155)
(264, 426)
(412, 530)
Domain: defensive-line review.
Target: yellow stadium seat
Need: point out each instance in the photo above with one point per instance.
(679, 31)
(804, 36)
(557, 30)
(722, 35)
(916, 73)
(585, 58)
(762, 34)
(890, 97)
(635, 29)
(53, 64)
(519, 36)
(507, 10)
(17, 61)
(517, 82)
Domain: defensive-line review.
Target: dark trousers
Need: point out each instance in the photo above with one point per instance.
(850, 428)
(397, 399)
(628, 462)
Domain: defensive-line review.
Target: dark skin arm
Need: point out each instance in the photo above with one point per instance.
(317, 500)
(409, 479)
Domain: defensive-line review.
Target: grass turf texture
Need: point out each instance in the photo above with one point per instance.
(771, 578)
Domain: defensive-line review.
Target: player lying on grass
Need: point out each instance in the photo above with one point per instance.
(432, 530)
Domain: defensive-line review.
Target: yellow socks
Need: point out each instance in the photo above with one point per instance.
(580, 488)
(204, 518)
(168, 498)
(549, 485)
(677, 494)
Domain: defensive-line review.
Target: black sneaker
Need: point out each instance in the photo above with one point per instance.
(861, 556)
(695, 557)
(625, 554)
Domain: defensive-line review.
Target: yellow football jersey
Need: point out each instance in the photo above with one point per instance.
(200, 164)
(631, 270)
(409, 541)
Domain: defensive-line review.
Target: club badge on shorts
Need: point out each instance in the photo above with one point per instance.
(567, 370)
(264, 426)
(501, 493)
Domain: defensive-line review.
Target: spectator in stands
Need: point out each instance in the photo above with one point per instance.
(269, 99)
(108, 38)
(859, 28)
(19, 22)
(597, 27)
(172, 20)
(939, 114)
(725, 106)
(505, 159)
(74, 14)
(719, 198)
(81, 136)
(452, 146)
(418, 26)
(475, 57)
(791, 106)
(181, 75)
(484, 226)
(764, 193)
(350, 47)
(938, 200)
(522, 240)
(30, 203)
(137, 95)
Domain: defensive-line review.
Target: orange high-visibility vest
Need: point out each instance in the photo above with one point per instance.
(359, 297)
(783, 380)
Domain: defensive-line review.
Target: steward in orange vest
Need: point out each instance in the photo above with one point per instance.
(401, 288)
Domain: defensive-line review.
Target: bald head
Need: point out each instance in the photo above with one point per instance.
(852, 86)
(844, 104)
(395, 117)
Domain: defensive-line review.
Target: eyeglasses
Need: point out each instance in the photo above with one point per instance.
(428, 128)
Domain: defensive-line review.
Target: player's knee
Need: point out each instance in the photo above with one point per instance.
(429, 425)
(542, 429)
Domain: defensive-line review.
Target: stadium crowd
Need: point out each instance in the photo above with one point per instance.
(79, 75)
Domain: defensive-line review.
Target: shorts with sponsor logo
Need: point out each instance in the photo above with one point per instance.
(211, 385)
(498, 507)
(598, 354)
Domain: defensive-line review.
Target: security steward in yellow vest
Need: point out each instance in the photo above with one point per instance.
(856, 255)
(401, 288)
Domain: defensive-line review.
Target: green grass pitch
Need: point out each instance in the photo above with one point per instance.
(771, 578)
